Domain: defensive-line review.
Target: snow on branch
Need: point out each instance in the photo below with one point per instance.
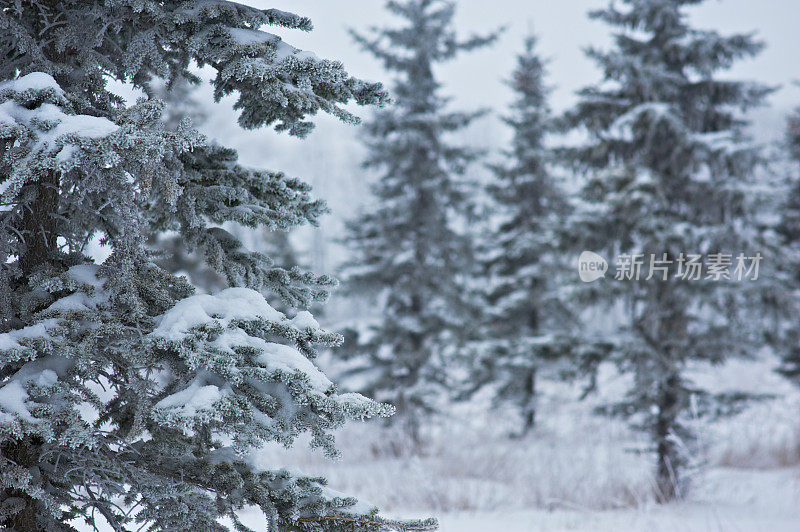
(246, 380)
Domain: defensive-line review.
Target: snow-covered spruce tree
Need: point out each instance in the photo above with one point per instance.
(407, 248)
(793, 136)
(669, 170)
(789, 229)
(522, 260)
(123, 396)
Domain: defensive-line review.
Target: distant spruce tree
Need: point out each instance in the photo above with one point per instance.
(793, 135)
(789, 230)
(789, 226)
(522, 260)
(171, 250)
(181, 102)
(125, 397)
(408, 249)
(669, 171)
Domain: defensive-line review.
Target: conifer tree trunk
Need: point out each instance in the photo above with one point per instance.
(38, 224)
(407, 409)
(530, 405)
(667, 455)
(38, 230)
(38, 221)
(529, 409)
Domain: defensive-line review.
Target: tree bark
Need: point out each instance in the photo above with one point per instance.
(38, 230)
(667, 468)
(38, 224)
(529, 411)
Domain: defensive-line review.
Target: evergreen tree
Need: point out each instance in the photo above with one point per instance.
(408, 247)
(276, 245)
(789, 230)
(793, 136)
(789, 227)
(522, 260)
(122, 394)
(669, 175)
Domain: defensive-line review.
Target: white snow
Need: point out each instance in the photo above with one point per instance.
(66, 124)
(199, 395)
(283, 50)
(244, 36)
(224, 455)
(706, 516)
(10, 339)
(286, 358)
(87, 274)
(81, 301)
(34, 80)
(58, 123)
(276, 357)
(576, 471)
(73, 302)
(66, 153)
(730, 501)
(622, 127)
(304, 55)
(304, 320)
(719, 141)
(223, 307)
(243, 304)
(12, 401)
(354, 400)
(43, 370)
(13, 394)
(81, 125)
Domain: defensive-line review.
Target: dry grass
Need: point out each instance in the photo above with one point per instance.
(765, 436)
(573, 460)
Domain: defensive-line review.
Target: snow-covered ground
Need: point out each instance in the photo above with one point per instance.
(729, 500)
(579, 471)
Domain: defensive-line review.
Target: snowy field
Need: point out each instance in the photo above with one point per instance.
(579, 471)
(729, 500)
